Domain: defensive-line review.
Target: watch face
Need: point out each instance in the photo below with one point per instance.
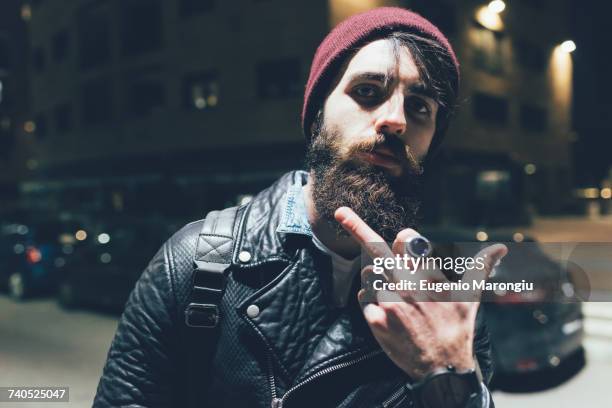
(449, 390)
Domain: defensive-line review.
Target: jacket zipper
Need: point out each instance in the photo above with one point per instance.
(271, 380)
(270, 364)
(279, 402)
(394, 397)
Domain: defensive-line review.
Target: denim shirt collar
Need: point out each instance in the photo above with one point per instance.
(294, 218)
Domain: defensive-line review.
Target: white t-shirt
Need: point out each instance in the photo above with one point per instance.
(343, 272)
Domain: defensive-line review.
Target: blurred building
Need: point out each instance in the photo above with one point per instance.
(130, 92)
(13, 102)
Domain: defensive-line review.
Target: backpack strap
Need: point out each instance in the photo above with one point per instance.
(212, 258)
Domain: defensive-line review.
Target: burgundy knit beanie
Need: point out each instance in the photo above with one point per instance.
(354, 32)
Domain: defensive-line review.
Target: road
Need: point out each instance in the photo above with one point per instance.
(43, 345)
(587, 389)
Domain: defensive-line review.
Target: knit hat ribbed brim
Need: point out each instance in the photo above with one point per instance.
(354, 32)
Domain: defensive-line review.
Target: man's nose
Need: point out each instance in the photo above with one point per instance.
(392, 117)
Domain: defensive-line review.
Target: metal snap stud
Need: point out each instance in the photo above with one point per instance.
(244, 256)
(252, 311)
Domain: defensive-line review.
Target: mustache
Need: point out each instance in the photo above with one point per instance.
(393, 144)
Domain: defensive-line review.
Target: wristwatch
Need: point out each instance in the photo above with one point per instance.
(445, 388)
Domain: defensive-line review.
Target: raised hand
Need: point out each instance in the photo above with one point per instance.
(418, 336)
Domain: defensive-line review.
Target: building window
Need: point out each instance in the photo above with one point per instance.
(200, 90)
(489, 108)
(530, 56)
(5, 61)
(41, 126)
(94, 35)
(141, 26)
(61, 43)
(278, 79)
(146, 93)
(533, 118)
(63, 118)
(38, 59)
(488, 51)
(96, 101)
(189, 7)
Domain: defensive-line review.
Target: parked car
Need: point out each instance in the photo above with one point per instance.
(32, 254)
(537, 332)
(104, 270)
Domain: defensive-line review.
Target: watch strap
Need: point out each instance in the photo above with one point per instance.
(445, 388)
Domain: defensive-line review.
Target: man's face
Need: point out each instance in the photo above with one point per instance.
(378, 123)
(381, 93)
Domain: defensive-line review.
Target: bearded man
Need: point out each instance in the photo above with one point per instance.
(273, 314)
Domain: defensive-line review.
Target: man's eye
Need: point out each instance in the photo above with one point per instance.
(418, 106)
(366, 91)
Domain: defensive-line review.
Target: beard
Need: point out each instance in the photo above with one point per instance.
(388, 204)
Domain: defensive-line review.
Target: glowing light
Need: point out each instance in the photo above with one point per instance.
(497, 6)
(29, 126)
(200, 102)
(489, 19)
(561, 74)
(212, 100)
(482, 236)
(66, 239)
(33, 255)
(606, 193)
(554, 361)
(568, 289)
(530, 169)
(568, 46)
(103, 238)
(26, 12)
(591, 192)
(341, 9)
(518, 237)
(81, 235)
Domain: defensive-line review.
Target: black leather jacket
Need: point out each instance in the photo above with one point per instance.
(298, 348)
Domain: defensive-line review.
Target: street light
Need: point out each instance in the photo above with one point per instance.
(568, 46)
(497, 6)
(489, 19)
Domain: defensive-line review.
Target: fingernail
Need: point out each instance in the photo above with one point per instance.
(369, 311)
